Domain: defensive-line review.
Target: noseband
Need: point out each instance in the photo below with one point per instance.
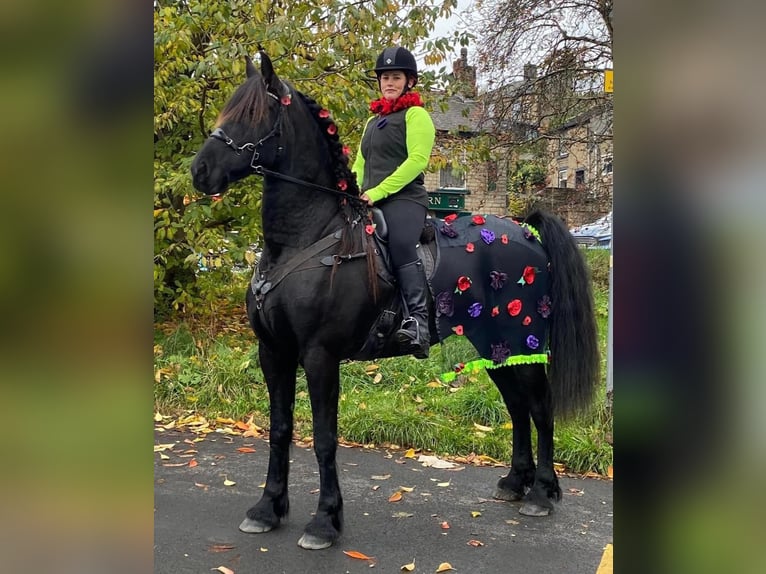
(276, 131)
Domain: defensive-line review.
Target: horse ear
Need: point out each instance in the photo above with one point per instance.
(250, 67)
(273, 83)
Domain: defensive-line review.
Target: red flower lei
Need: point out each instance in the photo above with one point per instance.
(384, 107)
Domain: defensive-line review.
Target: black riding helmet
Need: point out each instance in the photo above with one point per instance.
(397, 59)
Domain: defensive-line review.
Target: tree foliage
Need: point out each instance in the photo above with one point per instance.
(545, 61)
(326, 48)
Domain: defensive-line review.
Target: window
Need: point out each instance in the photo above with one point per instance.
(579, 177)
(450, 178)
(607, 165)
(563, 177)
(563, 151)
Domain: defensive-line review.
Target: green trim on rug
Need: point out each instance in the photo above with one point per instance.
(489, 364)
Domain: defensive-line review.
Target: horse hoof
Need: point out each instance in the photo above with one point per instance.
(531, 509)
(254, 527)
(310, 542)
(507, 495)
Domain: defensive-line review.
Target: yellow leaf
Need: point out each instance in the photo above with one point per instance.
(378, 378)
(262, 485)
(357, 555)
(482, 427)
(163, 456)
(370, 369)
(227, 482)
(264, 549)
(443, 484)
(225, 421)
(434, 385)
(380, 476)
(408, 567)
(158, 417)
(610, 471)
(407, 488)
(444, 566)
(508, 426)
(410, 453)
(395, 497)
(161, 447)
(475, 513)
(224, 570)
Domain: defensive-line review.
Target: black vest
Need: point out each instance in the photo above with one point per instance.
(384, 147)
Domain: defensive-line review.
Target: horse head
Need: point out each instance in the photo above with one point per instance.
(247, 132)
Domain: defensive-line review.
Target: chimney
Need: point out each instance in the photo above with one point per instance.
(464, 75)
(530, 72)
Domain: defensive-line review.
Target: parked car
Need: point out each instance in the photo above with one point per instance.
(596, 235)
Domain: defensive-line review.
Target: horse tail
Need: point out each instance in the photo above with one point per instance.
(574, 368)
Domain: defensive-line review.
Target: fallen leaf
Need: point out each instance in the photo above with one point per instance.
(163, 456)
(434, 385)
(357, 555)
(512, 522)
(610, 471)
(482, 427)
(225, 421)
(575, 491)
(380, 476)
(174, 464)
(376, 487)
(444, 566)
(406, 488)
(227, 482)
(410, 453)
(475, 513)
(315, 491)
(221, 547)
(443, 484)
(395, 497)
(377, 378)
(370, 369)
(246, 449)
(158, 417)
(262, 485)
(200, 485)
(161, 447)
(264, 549)
(192, 463)
(408, 567)
(507, 426)
(475, 543)
(228, 570)
(402, 515)
(435, 462)
(418, 399)
(445, 525)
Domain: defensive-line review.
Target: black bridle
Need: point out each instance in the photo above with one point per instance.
(258, 169)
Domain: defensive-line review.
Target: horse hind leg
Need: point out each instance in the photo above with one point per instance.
(280, 374)
(323, 377)
(545, 490)
(521, 476)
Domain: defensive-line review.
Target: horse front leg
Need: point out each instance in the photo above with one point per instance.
(545, 490)
(521, 476)
(323, 377)
(280, 373)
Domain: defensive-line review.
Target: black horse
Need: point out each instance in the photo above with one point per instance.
(321, 295)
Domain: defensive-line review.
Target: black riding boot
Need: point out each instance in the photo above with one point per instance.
(414, 336)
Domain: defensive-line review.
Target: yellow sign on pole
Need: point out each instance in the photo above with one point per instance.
(609, 81)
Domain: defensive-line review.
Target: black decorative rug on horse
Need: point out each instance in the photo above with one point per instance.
(492, 286)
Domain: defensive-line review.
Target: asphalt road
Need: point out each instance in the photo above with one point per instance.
(197, 515)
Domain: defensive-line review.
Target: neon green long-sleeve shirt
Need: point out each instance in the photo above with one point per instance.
(393, 152)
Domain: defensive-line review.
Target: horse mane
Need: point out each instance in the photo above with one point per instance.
(249, 104)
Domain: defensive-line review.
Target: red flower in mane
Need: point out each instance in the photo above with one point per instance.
(384, 107)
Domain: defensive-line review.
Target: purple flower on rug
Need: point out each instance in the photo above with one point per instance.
(444, 304)
(500, 352)
(447, 230)
(497, 279)
(487, 235)
(475, 310)
(527, 233)
(544, 306)
(533, 342)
